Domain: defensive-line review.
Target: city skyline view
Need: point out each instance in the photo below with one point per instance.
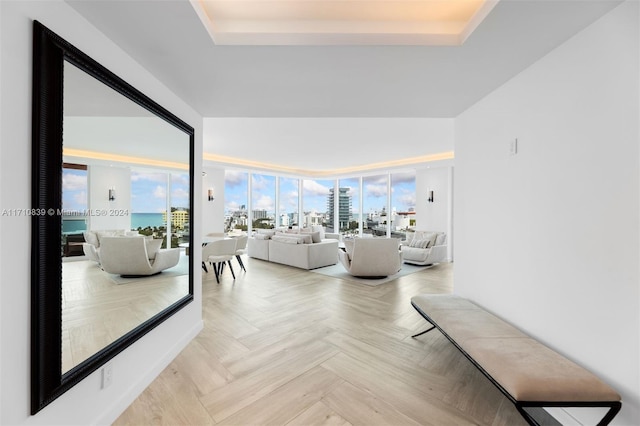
(315, 193)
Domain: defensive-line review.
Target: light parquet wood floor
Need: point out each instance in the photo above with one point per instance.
(282, 346)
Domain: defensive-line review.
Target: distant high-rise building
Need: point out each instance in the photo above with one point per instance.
(259, 214)
(344, 207)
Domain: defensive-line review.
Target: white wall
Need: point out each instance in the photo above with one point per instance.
(549, 238)
(213, 211)
(332, 143)
(438, 215)
(105, 214)
(138, 365)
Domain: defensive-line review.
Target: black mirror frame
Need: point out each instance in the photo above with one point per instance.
(47, 380)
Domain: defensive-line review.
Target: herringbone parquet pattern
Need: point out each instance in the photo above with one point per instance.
(282, 346)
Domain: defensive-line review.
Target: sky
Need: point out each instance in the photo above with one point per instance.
(74, 189)
(148, 191)
(315, 192)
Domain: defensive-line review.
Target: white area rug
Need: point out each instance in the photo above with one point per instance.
(338, 271)
(182, 268)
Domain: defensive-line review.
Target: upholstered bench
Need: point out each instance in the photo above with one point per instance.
(527, 372)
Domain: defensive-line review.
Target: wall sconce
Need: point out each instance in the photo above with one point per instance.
(430, 195)
(210, 194)
(112, 193)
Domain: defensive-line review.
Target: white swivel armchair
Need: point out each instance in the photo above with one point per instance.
(372, 257)
(135, 256)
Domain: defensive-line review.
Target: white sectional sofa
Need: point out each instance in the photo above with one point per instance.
(425, 248)
(305, 250)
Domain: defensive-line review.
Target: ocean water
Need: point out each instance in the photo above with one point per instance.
(146, 219)
(73, 226)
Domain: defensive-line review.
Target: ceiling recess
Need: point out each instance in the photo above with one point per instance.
(352, 22)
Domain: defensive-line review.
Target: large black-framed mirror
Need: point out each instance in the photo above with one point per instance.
(92, 128)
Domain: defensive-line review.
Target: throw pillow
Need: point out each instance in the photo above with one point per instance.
(102, 234)
(302, 238)
(315, 236)
(431, 236)
(441, 239)
(306, 238)
(422, 243)
(262, 236)
(320, 229)
(409, 238)
(269, 232)
(285, 239)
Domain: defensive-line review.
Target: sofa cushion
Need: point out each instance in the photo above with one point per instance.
(415, 254)
(262, 236)
(269, 232)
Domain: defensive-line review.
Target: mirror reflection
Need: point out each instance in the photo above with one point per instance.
(125, 216)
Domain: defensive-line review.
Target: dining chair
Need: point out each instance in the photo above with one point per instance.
(241, 248)
(217, 253)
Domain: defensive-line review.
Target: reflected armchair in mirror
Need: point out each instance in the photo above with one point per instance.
(135, 256)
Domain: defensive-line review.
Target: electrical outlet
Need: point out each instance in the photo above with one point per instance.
(107, 375)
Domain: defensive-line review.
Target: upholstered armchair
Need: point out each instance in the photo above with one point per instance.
(371, 257)
(136, 256)
(425, 248)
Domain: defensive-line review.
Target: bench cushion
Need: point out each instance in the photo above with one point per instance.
(524, 367)
(530, 371)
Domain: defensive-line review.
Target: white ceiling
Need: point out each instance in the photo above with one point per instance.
(376, 81)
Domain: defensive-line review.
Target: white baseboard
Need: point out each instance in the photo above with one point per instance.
(120, 404)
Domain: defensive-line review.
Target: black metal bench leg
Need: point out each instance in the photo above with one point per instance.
(204, 266)
(421, 333)
(613, 410)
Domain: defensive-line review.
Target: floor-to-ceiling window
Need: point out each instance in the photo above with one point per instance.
(288, 200)
(236, 200)
(370, 205)
(315, 203)
(149, 202)
(374, 205)
(403, 203)
(74, 198)
(349, 206)
(160, 205)
(180, 210)
(263, 201)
